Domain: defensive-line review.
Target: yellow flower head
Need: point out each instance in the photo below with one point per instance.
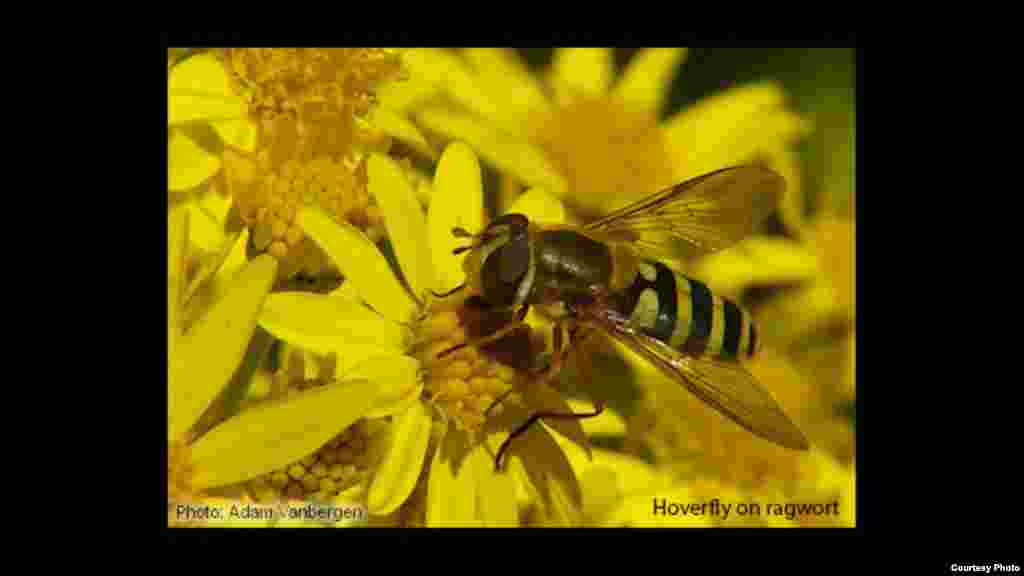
(597, 142)
(437, 464)
(295, 127)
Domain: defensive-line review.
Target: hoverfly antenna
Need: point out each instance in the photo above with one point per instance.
(478, 239)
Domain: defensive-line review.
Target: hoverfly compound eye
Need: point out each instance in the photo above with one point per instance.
(513, 256)
(513, 259)
(507, 263)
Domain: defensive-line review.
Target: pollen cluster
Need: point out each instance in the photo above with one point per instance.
(269, 199)
(341, 464)
(465, 383)
(307, 104)
(319, 86)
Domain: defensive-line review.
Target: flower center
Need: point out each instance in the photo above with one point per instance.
(320, 90)
(269, 199)
(467, 382)
(312, 148)
(609, 152)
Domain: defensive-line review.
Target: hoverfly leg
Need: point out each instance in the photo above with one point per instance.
(558, 354)
(498, 400)
(493, 337)
(577, 337)
(598, 409)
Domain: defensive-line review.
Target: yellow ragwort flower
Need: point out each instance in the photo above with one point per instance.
(597, 142)
(318, 122)
(438, 468)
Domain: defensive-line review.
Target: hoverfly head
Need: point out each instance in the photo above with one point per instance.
(499, 258)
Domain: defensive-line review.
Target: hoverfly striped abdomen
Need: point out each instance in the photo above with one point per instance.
(683, 313)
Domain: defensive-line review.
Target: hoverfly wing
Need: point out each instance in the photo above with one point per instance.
(725, 386)
(696, 217)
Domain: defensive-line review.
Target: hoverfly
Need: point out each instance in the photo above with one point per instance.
(608, 276)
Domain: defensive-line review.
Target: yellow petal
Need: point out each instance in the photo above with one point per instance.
(834, 243)
(360, 262)
(400, 128)
(271, 436)
(211, 265)
(424, 192)
(730, 128)
(457, 201)
(420, 84)
(346, 291)
(451, 487)
(539, 206)
(516, 157)
(208, 355)
(515, 91)
(600, 494)
(404, 220)
(563, 509)
(496, 493)
(629, 475)
(465, 88)
(236, 258)
(648, 77)
(632, 474)
(188, 165)
(213, 278)
(239, 133)
(583, 70)
(785, 159)
(208, 216)
(550, 474)
(546, 399)
(757, 261)
(322, 323)
(199, 90)
(398, 382)
(402, 465)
